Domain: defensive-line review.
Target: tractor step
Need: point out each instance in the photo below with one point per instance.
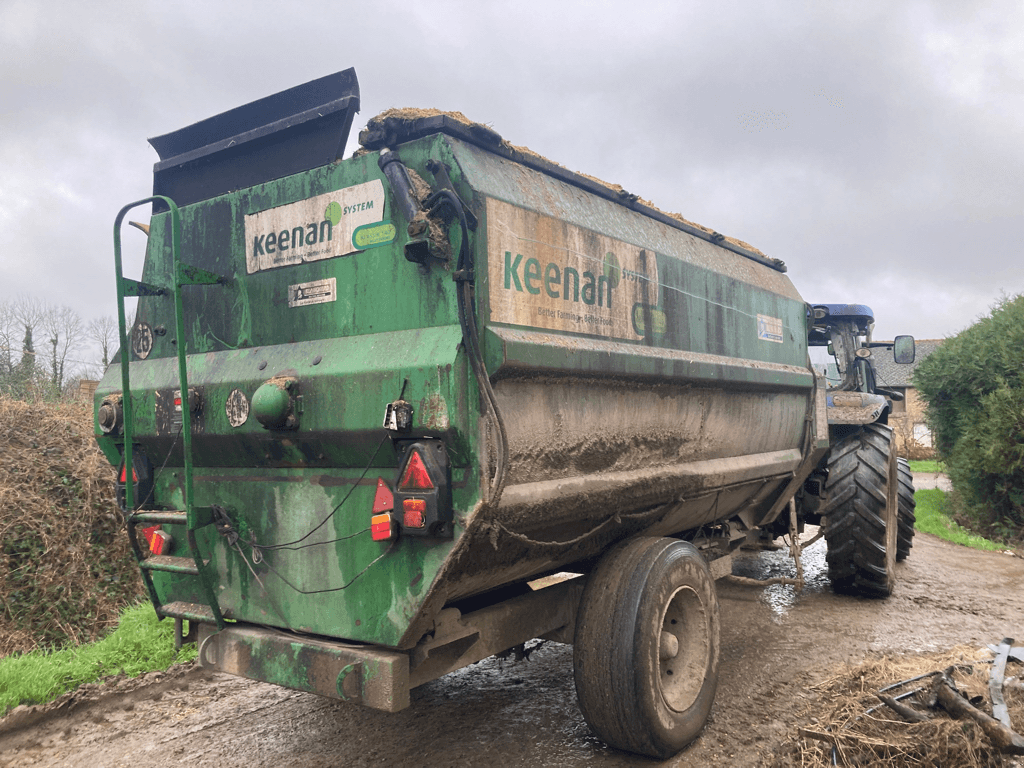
(170, 564)
(188, 611)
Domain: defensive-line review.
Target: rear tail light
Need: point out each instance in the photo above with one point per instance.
(159, 541)
(142, 482)
(422, 492)
(414, 513)
(382, 525)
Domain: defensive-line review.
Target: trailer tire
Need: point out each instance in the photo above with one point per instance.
(861, 514)
(647, 599)
(907, 519)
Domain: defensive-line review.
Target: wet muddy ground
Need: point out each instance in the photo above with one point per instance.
(775, 644)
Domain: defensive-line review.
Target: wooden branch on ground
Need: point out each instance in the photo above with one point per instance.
(1002, 738)
(907, 713)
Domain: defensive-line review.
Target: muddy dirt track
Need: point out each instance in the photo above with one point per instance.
(774, 645)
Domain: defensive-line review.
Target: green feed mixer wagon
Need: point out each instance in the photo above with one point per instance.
(368, 405)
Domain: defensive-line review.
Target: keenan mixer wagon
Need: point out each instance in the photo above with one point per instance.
(367, 404)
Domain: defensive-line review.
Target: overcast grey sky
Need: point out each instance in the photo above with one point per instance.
(876, 147)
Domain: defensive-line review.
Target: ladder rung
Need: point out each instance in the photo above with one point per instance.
(171, 564)
(204, 517)
(189, 611)
(161, 517)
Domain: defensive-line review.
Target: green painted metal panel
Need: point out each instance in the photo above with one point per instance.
(616, 344)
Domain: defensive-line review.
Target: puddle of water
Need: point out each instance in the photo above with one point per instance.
(781, 598)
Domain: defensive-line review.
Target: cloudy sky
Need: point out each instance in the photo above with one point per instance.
(876, 147)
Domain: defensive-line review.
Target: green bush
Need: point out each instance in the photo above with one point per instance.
(974, 389)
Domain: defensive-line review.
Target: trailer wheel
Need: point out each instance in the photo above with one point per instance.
(645, 655)
(905, 538)
(861, 514)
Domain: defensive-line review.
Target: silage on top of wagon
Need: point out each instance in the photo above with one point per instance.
(66, 569)
(840, 730)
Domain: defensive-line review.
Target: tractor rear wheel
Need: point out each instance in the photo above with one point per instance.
(905, 537)
(645, 655)
(861, 513)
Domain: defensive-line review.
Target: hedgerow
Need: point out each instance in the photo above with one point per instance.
(66, 570)
(974, 389)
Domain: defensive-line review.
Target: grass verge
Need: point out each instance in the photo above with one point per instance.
(932, 513)
(140, 644)
(927, 466)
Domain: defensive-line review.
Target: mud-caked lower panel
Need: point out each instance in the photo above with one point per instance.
(373, 677)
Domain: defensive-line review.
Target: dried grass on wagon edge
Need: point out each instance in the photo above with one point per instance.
(66, 569)
(390, 122)
(882, 737)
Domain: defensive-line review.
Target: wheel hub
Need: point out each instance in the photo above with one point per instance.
(683, 649)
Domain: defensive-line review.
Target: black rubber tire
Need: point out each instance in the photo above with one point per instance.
(907, 519)
(861, 513)
(648, 597)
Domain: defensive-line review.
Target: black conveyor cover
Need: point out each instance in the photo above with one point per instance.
(292, 131)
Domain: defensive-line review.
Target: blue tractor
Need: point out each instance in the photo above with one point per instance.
(861, 493)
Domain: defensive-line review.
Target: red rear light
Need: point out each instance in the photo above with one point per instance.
(159, 541)
(413, 511)
(415, 477)
(381, 527)
(422, 491)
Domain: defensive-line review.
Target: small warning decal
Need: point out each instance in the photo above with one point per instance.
(316, 292)
(769, 328)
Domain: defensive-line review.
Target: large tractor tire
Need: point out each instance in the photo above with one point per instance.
(861, 514)
(907, 519)
(645, 654)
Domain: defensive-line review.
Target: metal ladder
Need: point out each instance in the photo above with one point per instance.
(192, 517)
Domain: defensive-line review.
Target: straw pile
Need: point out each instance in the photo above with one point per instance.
(66, 569)
(842, 731)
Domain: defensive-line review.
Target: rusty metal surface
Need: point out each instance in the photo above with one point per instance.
(365, 675)
(459, 640)
(855, 407)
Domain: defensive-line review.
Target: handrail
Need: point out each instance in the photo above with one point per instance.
(182, 275)
(138, 288)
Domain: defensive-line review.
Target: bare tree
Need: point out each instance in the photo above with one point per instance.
(103, 331)
(9, 338)
(18, 357)
(64, 333)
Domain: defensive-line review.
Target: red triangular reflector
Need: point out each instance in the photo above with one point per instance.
(124, 474)
(384, 501)
(415, 476)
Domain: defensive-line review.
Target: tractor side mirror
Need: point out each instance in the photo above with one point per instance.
(903, 349)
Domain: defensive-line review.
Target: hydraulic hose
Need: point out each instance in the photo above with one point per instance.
(464, 277)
